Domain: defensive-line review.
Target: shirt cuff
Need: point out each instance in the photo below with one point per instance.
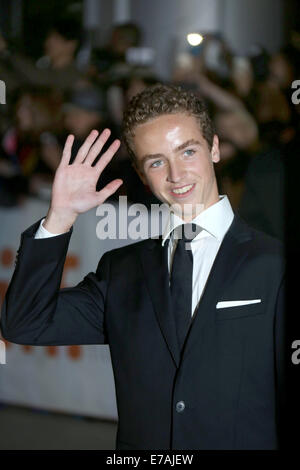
(43, 233)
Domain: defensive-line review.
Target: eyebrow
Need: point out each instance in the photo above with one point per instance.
(180, 147)
(186, 144)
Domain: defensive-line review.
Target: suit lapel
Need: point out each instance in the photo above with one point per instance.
(231, 255)
(154, 259)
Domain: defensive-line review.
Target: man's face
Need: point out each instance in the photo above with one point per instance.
(57, 46)
(174, 160)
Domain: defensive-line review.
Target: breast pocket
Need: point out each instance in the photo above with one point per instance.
(240, 311)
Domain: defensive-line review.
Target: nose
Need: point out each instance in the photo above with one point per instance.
(175, 172)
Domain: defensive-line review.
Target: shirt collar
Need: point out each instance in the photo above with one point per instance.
(214, 221)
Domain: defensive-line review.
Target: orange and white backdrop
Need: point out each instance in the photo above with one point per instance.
(75, 379)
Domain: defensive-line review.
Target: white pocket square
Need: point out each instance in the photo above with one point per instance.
(236, 303)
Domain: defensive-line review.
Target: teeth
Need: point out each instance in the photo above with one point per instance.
(182, 190)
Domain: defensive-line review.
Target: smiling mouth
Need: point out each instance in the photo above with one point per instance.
(183, 190)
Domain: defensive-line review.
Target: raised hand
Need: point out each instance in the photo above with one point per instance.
(74, 186)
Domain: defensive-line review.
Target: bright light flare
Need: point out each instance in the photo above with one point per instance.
(194, 39)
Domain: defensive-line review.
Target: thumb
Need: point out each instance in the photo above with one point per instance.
(108, 190)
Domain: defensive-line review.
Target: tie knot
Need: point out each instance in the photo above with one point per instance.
(187, 232)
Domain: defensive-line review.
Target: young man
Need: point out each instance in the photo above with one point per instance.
(196, 335)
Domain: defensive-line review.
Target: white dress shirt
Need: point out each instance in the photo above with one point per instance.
(43, 233)
(214, 222)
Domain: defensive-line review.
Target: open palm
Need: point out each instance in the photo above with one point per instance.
(74, 186)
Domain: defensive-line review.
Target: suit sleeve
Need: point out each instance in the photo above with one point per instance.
(36, 311)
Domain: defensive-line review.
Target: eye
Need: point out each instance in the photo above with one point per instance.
(155, 164)
(189, 152)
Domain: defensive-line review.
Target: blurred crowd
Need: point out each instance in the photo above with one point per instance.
(249, 98)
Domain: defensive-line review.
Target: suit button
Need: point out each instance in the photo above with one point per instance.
(180, 406)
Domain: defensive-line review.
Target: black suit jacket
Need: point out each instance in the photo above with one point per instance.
(230, 376)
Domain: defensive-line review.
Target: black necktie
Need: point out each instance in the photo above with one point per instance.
(182, 279)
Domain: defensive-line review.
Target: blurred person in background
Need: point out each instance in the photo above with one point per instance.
(284, 69)
(264, 200)
(262, 96)
(261, 203)
(109, 62)
(241, 76)
(110, 68)
(238, 135)
(24, 143)
(57, 68)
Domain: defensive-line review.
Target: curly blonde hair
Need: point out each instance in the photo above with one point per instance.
(161, 99)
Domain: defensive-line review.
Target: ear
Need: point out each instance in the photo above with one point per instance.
(140, 173)
(215, 151)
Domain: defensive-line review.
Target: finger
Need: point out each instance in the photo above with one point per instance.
(97, 147)
(66, 155)
(107, 156)
(82, 152)
(108, 190)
